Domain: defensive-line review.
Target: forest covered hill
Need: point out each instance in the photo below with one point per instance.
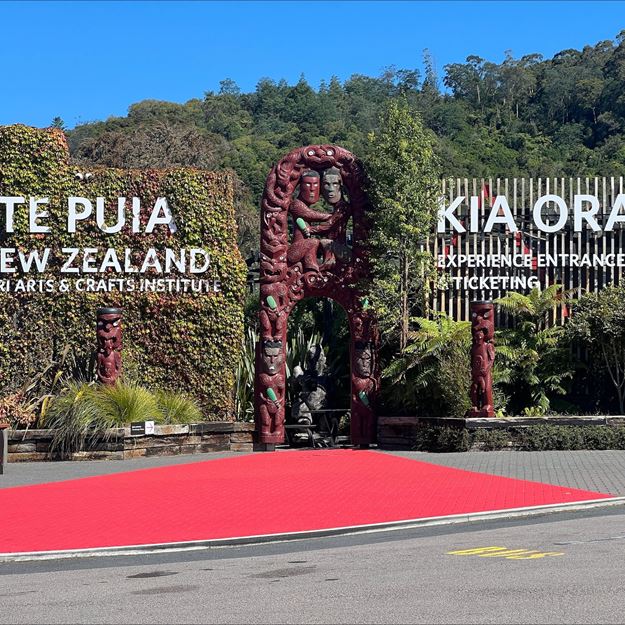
(525, 116)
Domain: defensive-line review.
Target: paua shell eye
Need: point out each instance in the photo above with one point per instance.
(330, 152)
(311, 152)
(486, 315)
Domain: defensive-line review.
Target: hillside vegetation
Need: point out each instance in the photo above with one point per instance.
(525, 116)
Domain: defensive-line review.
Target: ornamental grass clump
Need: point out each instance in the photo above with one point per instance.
(76, 419)
(244, 378)
(177, 408)
(121, 404)
(87, 415)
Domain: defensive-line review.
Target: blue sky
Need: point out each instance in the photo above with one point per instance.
(87, 61)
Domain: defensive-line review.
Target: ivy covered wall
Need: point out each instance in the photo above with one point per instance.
(179, 341)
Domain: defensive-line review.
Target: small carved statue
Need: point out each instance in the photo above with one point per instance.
(310, 387)
(309, 188)
(109, 336)
(272, 357)
(482, 358)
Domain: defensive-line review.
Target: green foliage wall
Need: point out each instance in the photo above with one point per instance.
(177, 341)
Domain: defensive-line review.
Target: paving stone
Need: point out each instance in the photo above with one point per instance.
(601, 471)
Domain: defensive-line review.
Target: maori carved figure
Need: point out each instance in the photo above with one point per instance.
(270, 388)
(482, 358)
(365, 376)
(109, 335)
(304, 248)
(315, 260)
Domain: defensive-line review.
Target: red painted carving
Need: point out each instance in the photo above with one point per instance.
(482, 358)
(109, 335)
(316, 262)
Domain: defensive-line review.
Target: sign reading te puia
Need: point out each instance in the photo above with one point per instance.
(138, 267)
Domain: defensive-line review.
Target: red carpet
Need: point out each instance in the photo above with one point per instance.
(252, 495)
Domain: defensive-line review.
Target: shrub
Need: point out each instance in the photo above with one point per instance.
(244, 378)
(442, 439)
(598, 323)
(543, 437)
(491, 440)
(533, 363)
(16, 412)
(433, 374)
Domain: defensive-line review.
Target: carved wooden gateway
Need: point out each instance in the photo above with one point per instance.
(306, 252)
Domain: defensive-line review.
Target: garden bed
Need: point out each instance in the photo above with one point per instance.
(119, 444)
(514, 433)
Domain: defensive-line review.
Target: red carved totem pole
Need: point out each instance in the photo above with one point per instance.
(316, 261)
(482, 358)
(109, 335)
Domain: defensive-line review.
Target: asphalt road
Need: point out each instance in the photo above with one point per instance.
(404, 576)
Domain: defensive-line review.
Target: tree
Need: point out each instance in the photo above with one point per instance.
(58, 122)
(525, 117)
(598, 322)
(158, 144)
(430, 82)
(404, 188)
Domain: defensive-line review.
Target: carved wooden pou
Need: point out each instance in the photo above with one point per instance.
(109, 336)
(315, 261)
(482, 358)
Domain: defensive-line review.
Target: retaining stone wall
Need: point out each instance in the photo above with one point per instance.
(167, 440)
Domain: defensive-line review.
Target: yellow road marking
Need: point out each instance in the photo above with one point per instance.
(504, 552)
(476, 551)
(535, 556)
(507, 553)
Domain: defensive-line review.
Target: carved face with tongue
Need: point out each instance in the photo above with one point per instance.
(272, 356)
